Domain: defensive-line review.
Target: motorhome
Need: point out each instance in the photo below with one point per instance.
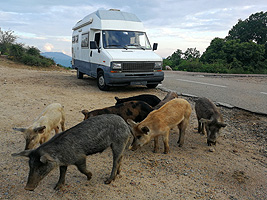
(112, 46)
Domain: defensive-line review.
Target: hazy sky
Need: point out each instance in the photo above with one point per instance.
(174, 24)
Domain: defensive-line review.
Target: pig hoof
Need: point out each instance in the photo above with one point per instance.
(89, 176)
(108, 181)
(58, 186)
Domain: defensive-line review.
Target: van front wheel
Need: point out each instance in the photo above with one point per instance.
(101, 81)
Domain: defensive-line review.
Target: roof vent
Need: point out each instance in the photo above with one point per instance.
(113, 9)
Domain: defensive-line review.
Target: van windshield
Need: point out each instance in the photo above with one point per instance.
(125, 40)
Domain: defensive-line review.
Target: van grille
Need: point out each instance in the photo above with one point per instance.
(138, 67)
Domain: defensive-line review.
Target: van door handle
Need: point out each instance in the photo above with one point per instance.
(91, 53)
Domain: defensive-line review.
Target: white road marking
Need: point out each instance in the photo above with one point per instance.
(263, 92)
(201, 83)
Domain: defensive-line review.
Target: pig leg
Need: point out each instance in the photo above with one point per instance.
(199, 129)
(203, 128)
(156, 144)
(166, 143)
(62, 123)
(56, 130)
(81, 165)
(61, 181)
(117, 150)
(119, 167)
(115, 169)
(182, 126)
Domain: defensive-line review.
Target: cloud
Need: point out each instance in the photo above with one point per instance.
(48, 47)
(173, 24)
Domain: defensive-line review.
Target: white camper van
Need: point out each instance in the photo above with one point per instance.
(113, 47)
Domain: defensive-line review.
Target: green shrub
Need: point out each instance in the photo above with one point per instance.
(16, 51)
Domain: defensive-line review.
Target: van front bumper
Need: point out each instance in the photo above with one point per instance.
(140, 78)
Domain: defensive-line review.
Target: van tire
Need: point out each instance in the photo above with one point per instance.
(79, 74)
(101, 81)
(152, 85)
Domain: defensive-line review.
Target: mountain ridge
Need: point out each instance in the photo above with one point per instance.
(59, 58)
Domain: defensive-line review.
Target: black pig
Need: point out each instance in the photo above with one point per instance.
(150, 99)
(208, 116)
(73, 145)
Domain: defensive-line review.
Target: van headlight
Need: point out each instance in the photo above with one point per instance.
(116, 66)
(158, 66)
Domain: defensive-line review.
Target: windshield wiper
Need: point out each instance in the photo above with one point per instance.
(136, 45)
(117, 45)
(114, 45)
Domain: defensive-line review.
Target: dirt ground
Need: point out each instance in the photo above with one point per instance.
(234, 169)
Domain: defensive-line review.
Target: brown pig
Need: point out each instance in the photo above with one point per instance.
(135, 110)
(159, 122)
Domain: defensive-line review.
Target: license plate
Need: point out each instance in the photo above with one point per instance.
(138, 82)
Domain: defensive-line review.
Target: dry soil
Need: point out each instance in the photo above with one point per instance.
(234, 169)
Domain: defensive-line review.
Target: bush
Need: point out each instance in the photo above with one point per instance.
(31, 60)
(16, 51)
(41, 61)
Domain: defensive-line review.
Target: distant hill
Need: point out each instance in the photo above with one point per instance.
(59, 58)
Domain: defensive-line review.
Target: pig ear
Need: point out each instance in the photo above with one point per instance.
(131, 122)
(25, 153)
(202, 120)
(85, 112)
(39, 129)
(20, 129)
(46, 158)
(145, 129)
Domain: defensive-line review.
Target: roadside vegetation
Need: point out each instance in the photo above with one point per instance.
(243, 51)
(21, 53)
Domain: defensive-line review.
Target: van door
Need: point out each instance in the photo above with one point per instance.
(95, 54)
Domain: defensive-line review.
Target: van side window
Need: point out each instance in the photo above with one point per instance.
(97, 38)
(85, 40)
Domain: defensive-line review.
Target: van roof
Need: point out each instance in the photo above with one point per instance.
(116, 15)
(101, 17)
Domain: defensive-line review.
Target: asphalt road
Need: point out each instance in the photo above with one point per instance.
(248, 92)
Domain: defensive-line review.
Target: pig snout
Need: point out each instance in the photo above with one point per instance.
(30, 186)
(212, 137)
(211, 141)
(135, 145)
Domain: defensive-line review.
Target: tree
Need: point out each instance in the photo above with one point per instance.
(176, 57)
(191, 54)
(214, 52)
(6, 39)
(252, 29)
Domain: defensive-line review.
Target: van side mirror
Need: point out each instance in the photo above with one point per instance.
(93, 45)
(155, 46)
